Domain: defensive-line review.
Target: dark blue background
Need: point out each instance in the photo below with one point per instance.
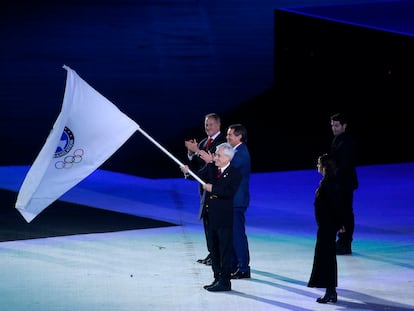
(167, 63)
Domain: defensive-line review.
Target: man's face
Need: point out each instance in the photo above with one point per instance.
(211, 126)
(232, 139)
(220, 159)
(337, 127)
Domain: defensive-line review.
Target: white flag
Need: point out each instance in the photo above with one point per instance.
(88, 130)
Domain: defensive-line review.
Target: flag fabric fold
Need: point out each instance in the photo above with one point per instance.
(88, 130)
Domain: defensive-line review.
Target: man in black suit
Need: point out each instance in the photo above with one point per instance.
(222, 181)
(212, 127)
(343, 149)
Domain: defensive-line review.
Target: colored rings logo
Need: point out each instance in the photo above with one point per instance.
(70, 160)
(66, 143)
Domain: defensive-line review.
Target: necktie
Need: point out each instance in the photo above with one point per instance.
(209, 141)
(218, 173)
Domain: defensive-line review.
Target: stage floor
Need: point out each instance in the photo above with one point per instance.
(156, 268)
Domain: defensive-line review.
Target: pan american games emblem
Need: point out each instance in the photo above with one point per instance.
(67, 140)
(66, 143)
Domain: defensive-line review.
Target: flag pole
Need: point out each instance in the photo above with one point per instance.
(169, 154)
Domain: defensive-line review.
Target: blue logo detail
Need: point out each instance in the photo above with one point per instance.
(67, 140)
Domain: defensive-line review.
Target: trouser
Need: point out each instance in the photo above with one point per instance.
(221, 245)
(346, 238)
(205, 224)
(241, 257)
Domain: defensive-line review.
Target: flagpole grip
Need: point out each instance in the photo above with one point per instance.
(169, 154)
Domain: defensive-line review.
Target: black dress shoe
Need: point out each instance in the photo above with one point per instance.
(240, 275)
(212, 284)
(203, 261)
(220, 287)
(332, 297)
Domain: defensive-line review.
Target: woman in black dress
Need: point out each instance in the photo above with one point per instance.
(327, 215)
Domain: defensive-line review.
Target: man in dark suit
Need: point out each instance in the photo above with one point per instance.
(212, 127)
(343, 149)
(237, 138)
(222, 181)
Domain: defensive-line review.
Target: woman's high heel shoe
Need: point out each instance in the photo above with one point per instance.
(328, 297)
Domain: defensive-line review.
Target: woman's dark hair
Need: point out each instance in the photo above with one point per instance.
(328, 162)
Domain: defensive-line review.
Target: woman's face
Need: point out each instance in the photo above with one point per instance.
(319, 167)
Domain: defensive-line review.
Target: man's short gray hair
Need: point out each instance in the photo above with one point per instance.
(227, 149)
